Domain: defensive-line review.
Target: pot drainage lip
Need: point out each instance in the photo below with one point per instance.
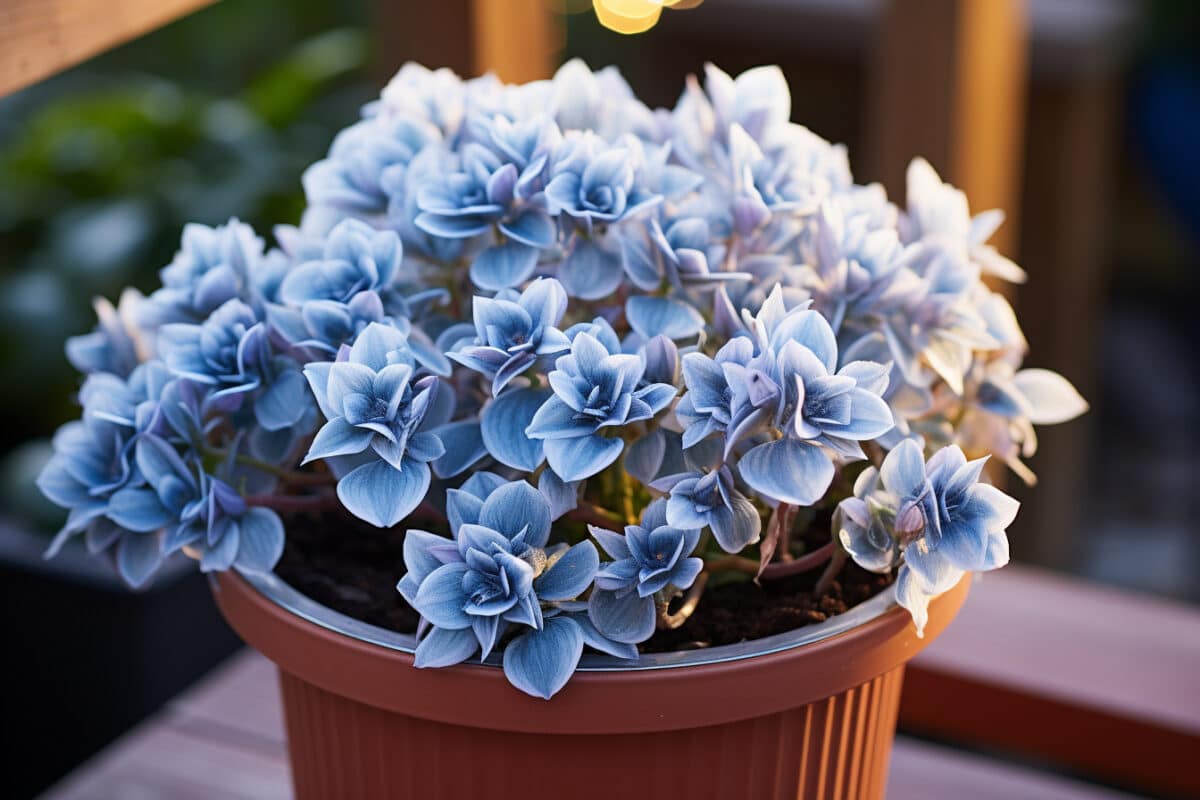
(284, 596)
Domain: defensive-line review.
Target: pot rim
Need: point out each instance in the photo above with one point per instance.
(273, 588)
(594, 701)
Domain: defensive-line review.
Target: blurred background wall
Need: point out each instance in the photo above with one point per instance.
(1089, 138)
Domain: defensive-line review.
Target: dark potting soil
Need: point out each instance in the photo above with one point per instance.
(353, 568)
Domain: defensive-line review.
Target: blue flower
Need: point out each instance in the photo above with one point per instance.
(1001, 405)
(355, 258)
(200, 512)
(231, 352)
(945, 522)
(677, 256)
(594, 183)
(92, 463)
(468, 202)
(595, 393)
(361, 159)
(497, 573)
(710, 500)
(865, 523)
(601, 101)
(495, 188)
(213, 266)
(852, 264)
(514, 336)
(371, 404)
(651, 559)
(116, 345)
(716, 403)
(129, 491)
(938, 210)
(321, 327)
(786, 387)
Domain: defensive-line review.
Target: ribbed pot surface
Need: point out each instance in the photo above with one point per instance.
(814, 722)
(833, 749)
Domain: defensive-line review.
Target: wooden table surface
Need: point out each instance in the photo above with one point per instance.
(224, 739)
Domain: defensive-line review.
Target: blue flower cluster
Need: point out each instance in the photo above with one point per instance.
(933, 517)
(511, 311)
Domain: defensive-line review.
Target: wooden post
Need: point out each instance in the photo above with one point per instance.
(41, 37)
(948, 83)
(518, 40)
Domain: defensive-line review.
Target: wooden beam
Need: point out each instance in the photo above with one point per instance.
(948, 83)
(518, 40)
(41, 37)
(1069, 184)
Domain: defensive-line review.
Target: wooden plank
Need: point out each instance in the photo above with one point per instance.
(241, 695)
(948, 83)
(1098, 680)
(923, 771)
(41, 37)
(160, 760)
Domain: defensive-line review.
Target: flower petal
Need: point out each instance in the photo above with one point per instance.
(788, 470)
(464, 446)
(582, 457)
(590, 272)
(594, 639)
(517, 507)
(503, 423)
(440, 598)
(504, 265)
(666, 316)
(623, 617)
(138, 557)
(540, 663)
(378, 493)
(445, 648)
(138, 510)
(531, 227)
(1052, 398)
(260, 543)
(568, 576)
(338, 438)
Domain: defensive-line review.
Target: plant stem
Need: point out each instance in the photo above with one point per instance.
(690, 601)
(627, 495)
(776, 569)
(836, 562)
(293, 502)
(285, 475)
(594, 515)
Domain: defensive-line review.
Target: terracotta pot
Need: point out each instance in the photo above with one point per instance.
(808, 714)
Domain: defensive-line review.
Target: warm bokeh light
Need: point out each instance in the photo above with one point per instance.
(628, 16)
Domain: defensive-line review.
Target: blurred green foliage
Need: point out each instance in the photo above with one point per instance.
(214, 116)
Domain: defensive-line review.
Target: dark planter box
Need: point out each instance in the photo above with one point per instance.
(85, 658)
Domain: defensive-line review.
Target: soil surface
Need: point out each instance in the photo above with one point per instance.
(353, 568)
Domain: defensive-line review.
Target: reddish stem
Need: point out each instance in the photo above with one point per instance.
(592, 515)
(776, 569)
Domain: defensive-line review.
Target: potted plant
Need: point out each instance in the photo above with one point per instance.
(665, 419)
